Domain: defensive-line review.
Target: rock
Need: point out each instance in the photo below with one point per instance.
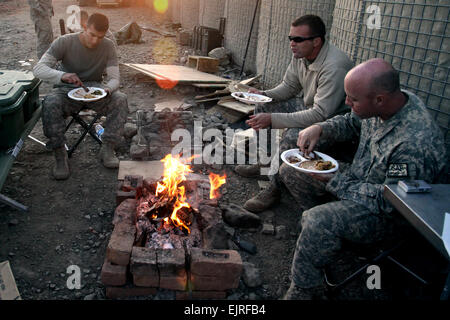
(138, 152)
(237, 216)
(222, 54)
(281, 232)
(215, 237)
(268, 229)
(251, 275)
(129, 130)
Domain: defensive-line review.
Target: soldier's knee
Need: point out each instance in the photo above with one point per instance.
(313, 218)
(285, 172)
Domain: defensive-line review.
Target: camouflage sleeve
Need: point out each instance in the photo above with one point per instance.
(405, 162)
(341, 128)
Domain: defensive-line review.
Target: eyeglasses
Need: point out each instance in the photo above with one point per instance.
(300, 39)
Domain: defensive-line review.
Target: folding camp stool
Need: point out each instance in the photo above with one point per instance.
(87, 128)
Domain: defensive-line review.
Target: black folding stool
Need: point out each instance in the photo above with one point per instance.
(87, 128)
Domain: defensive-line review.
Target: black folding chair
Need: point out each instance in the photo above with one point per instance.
(87, 128)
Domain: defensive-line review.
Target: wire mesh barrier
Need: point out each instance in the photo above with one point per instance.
(412, 35)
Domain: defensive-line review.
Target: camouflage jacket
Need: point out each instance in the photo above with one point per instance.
(409, 145)
(41, 7)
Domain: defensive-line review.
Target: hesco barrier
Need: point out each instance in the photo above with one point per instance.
(239, 15)
(274, 54)
(210, 13)
(412, 35)
(189, 13)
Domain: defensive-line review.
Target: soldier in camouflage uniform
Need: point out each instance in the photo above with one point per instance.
(41, 12)
(398, 140)
(84, 58)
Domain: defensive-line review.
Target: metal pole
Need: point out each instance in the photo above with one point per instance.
(249, 37)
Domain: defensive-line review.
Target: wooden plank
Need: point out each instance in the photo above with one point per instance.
(231, 103)
(250, 80)
(209, 85)
(147, 169)
(173, 105)
(178, 73)
(231, 116)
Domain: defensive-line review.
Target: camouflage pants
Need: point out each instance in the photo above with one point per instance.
(44, 32)
(57, 106)
(325, 227)
(288, 137)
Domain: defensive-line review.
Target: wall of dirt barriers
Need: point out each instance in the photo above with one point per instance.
(412, 35)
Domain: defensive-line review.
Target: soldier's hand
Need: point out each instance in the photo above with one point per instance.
(71, 78)
(307, 138)
(259, 121)
(253, 90)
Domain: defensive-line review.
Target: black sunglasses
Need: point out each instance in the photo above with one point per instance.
(300, 39)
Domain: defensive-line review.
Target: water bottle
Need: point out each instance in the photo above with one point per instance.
(99, 130)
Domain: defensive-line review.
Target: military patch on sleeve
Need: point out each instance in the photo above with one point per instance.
(396, 170)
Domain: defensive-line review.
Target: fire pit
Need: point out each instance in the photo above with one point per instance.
(159, 237)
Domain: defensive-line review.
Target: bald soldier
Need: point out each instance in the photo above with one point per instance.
(390, 123)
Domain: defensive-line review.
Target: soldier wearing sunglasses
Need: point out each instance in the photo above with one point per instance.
(316, 71)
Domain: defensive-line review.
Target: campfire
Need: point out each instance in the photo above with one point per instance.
(163, 212)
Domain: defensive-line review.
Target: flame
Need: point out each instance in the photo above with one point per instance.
(216, 181)
(174, 173)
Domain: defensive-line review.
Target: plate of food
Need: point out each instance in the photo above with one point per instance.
(250, 98)
(315, 162)
(93, 94)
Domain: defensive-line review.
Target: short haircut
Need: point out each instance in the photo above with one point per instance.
(388, 81)
(100, 22)
(314, 23)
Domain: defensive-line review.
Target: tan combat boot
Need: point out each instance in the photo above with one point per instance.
(108, 156)
(248, 170)
(61, 169)
(297, 293)
(263, 200)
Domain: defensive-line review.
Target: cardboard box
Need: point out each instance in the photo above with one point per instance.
(8, 288)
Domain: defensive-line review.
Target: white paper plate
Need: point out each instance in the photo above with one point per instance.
(250, 98)
(78, 94)
(296, 153)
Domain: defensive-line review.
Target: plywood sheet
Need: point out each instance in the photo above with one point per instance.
(177, 73)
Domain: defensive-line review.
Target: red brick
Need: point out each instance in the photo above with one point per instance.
(174, 282)
(144, 267)
(129, 291)
(215, 270)
(195, 295)
(121, 196)
(172, 269)
(121, 243)
(171, 262)
(113, 275)
(213, 283)
(215, 262)
(126, 212)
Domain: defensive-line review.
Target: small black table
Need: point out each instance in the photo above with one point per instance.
(426, 213)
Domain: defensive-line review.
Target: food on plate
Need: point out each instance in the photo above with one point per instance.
(80, 93)
(293, 159)
(310, 156)
(251, 97)
(320, 165)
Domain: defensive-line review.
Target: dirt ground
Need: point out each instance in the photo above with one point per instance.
(70, 222)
